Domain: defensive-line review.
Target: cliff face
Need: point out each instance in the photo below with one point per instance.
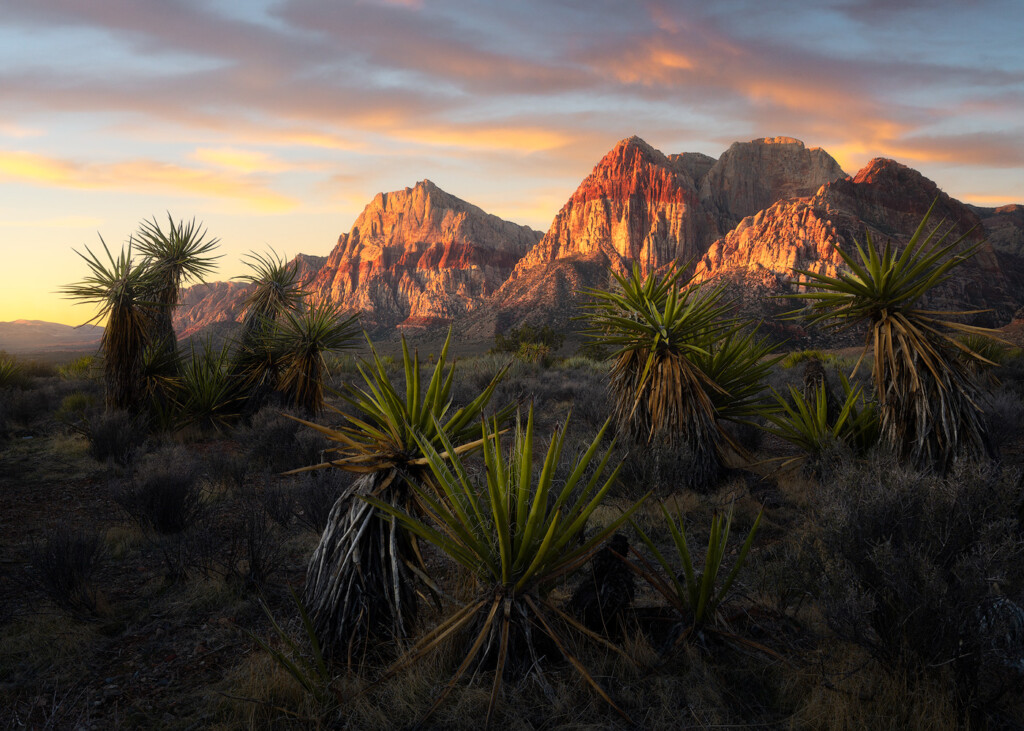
(886, 198)
(419, 256)
(636, 205)
(751, 176)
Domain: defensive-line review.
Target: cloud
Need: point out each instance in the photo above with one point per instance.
(135, 176)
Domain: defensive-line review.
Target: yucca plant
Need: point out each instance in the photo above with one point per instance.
(814, 426)
(121, 289)
(926, 396)
(739, 364)
(207, 392)
(176, 256)
(360, 580)
(302, 340)
(696, 596)
(275, 290)
(518, 536)
(655, 325)
(11, 371)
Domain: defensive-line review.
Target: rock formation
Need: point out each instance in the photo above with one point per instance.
(886, 198)
(750, 176)
(420, 256)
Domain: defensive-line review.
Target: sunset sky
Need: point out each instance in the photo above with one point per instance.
(275, 122)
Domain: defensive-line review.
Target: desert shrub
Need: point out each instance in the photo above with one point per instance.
(166, 493)
(75, 406)
(1004, 413)
(530, 336)
(63, 567)
(315, 495)
(279, 443)
(79, 369)
(256, 549)
(927, 574)
(278, 502)
(228, 468)
(114, 435)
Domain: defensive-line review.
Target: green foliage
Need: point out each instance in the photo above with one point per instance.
(276, 290)
(302, 340)
(697, 595)
(652, 324)
(809, 424)
(11, 372)
(738, 365)
(176, 256)
(517, 536)
(384, 431)
(78, 368)
(926, 395)
(308, 669)
(530, 336)
(207, 392)
(360, 578)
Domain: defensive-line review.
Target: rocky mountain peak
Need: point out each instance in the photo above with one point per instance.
(751, 176)
(420, 255)
(636, 205)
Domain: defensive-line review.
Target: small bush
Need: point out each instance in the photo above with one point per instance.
(278, 443)
(910, 567)
(166, 495)
(114, 435)
(256, 548)
(63, 568)
(315, 495)
(79, 369)
(278, 502)
(528, 335)
(228, 468)
(1004, 413)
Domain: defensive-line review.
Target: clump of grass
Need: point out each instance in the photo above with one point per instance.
(166, 493)
(114, 435)
(64, 566)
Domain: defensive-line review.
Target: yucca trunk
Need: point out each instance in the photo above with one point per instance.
(930, 421)
(358, 584)
(124, 340)
(671, 405)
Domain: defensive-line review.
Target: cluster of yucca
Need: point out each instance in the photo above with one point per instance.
(281, 347)
(681, 364)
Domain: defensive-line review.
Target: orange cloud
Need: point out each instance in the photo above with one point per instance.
(517, 139)
(239, 160)
(135, 175)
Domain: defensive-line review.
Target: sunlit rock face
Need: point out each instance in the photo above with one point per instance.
(420, 256)
(885, 198)
(636, 206)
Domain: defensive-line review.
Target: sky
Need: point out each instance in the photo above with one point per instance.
(274, 122)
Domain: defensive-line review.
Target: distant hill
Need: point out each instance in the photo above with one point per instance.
(31, 336)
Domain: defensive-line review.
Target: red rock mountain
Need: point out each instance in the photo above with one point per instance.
(420, 256)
